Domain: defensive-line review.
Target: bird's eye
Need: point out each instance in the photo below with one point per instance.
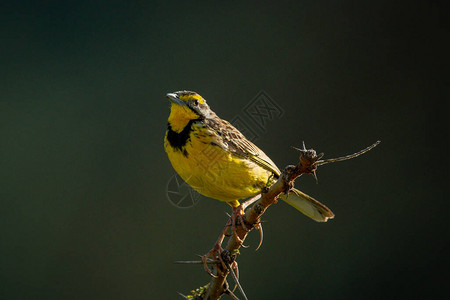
(195, 102)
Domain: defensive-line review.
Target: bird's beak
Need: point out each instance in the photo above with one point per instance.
(174, 99)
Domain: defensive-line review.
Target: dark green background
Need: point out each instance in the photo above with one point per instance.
(84, 213)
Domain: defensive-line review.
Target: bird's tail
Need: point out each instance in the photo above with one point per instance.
(308, 205)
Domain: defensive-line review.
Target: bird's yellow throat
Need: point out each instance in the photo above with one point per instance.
(180, 116)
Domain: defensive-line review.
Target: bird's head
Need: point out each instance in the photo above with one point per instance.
(187, 106)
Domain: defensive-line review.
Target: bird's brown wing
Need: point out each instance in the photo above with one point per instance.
(228, 137)
(231, 139)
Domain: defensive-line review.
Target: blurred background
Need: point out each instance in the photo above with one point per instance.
(84, 176)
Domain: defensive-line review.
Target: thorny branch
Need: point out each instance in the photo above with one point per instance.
(309, 160)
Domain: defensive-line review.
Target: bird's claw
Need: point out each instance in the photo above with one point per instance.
(214, 253)
(238, 213)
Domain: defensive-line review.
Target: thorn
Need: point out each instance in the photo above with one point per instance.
(195, 262)
(237, 283)
(230, 293)
(234, 265)
(182, 295)
(304, 147)
(261, 235)
(315, 176)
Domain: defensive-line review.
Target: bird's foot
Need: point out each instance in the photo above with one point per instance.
(238, 214)
(216, 251)
(215, 254)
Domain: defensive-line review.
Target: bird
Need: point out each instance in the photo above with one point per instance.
(219, 162)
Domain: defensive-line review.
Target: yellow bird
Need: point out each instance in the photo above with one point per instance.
(216, 160)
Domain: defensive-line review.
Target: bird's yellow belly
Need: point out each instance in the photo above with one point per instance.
(216, 173)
